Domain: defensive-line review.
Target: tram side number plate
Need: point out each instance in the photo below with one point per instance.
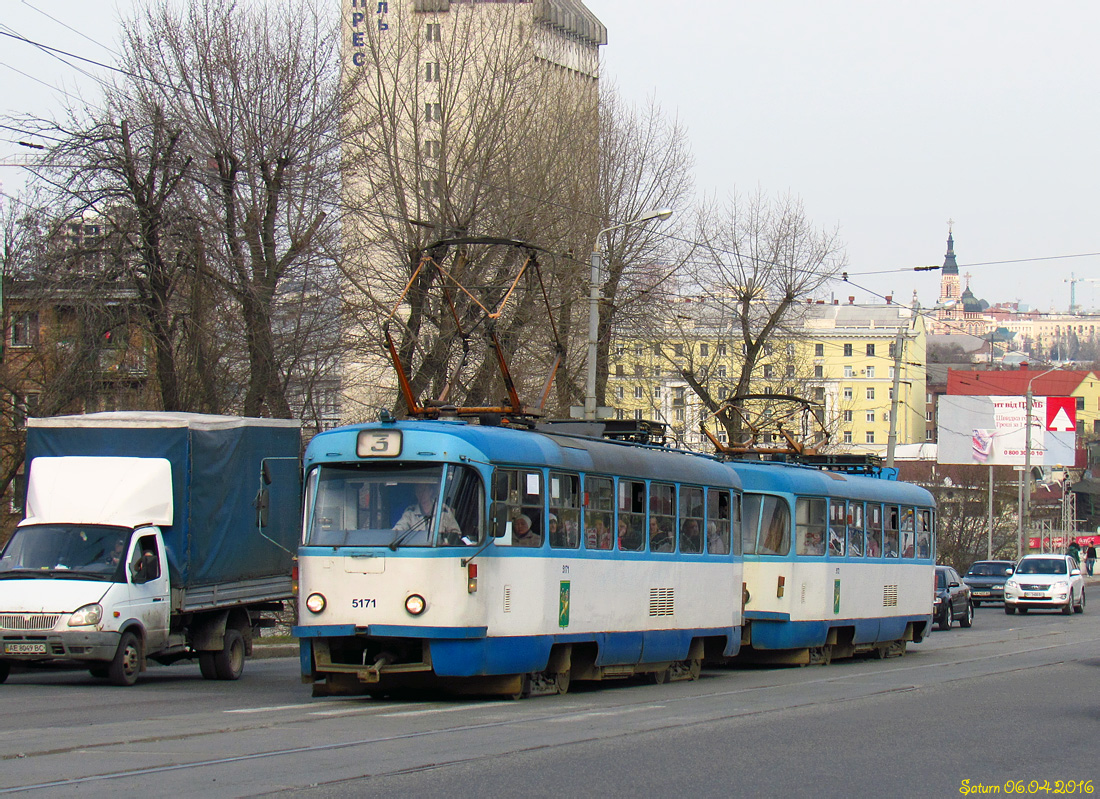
(24, 649)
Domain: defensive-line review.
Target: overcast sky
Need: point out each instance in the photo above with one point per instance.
(886, 118)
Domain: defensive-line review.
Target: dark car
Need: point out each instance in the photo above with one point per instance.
(986, 579)
(952, 599)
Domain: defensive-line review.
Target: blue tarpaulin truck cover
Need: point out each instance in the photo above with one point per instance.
(216, 475)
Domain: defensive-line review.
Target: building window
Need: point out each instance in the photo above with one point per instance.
(637, 392)
(890, 394)
(431, 148)
(679, 349)
(657, 371)
(767, 370)
(433, 112)
(429, 188)
(870, 416)
(431, 72)
(870, 392)
(721, 350)
(847, 436)
(639, 351)
(657, 392)
(434, 31)
(639, 370)
(928, 417)
(24, 329)
(819, 394)
(638, 414)
(847, 392)
(1080, 403)
(657, 350)
(870, 436)
(891, 372)
(819, 350)
(790, 370)
(927, 397)
(871, 350)
(23, 407)
(679, 414)
(848, 372)
(847, 416)
(619, 392)
(927, 435)
(893, 349)
(620, 370)
(721, 371)
(723, 393)
(704, 350)
(819, 371)
(847, 350)
(870, 371)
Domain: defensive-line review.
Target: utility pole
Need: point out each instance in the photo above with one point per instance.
(892, 438)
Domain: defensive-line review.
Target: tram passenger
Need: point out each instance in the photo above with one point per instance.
(597, 533)
(690, 540)
(522, 534)
(660, 540)
(718, 539)
(418, 516)
(629, 540)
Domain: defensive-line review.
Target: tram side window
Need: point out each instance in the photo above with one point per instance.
(924, 533)
(718, 522)
(775, 526)
(563, 528)
(464, 498)
(874, 531)
(855, 530)
(631, 530)
(838, 526)
(908, 533)
(750, 522)
(662, 517)
(599, 509)
(524, 499)
(890, 539)
(691, 519)
(810, 515)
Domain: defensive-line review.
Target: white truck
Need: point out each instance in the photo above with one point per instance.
(150, 536)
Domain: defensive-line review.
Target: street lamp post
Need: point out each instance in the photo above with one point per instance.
(596, 264)
(1025, 481)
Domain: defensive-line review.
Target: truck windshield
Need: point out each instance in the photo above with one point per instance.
(396, 505)
(80, 551)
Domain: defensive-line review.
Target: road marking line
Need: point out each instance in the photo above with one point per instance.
(270, 708)
(404, 713)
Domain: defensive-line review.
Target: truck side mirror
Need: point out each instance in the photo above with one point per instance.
(498, 520)
(262, 503)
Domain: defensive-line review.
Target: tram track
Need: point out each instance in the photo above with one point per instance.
(560, 716)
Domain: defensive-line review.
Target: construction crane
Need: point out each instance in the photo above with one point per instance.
(1073, 281)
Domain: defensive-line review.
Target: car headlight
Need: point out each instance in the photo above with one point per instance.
(1061, 585)
(1011, 584)
(315, 603)
(415, 604)
(1001, 586)
(85, 616)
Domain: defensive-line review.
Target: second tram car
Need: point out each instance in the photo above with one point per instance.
(835, 564)
(495, 560)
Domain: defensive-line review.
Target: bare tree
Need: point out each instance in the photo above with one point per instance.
(260, 114)
(759, 258)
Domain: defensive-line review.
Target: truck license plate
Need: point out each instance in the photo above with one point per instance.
(25, 649)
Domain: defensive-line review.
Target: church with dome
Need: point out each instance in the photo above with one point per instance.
(958, 312)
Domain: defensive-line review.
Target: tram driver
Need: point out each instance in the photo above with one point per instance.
(419, 515)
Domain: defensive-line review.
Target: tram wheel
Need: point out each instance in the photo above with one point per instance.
(563, 682)
(524, 689)
(658, 677)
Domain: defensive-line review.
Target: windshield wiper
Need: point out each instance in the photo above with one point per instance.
(401, 535)
(24, 573)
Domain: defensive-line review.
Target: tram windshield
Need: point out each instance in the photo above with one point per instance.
(395, 506)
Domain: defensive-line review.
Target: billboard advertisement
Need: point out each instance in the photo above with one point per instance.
(990, 430)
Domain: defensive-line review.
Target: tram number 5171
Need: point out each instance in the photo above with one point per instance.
(363, 603)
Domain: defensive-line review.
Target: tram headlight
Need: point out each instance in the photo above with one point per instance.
(415, 604)
(315, 603)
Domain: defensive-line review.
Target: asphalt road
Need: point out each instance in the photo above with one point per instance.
(1013, 698)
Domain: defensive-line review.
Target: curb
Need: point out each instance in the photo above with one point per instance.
(262, 651)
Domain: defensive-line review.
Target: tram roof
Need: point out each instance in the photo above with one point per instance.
(535, 448)
(807, 481)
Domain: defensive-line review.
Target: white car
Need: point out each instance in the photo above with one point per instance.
(1045, 581)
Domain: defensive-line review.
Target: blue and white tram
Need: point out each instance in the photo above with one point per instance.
(494, 560)
(835, 564)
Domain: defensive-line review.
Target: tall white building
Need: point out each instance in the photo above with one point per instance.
(454, 105)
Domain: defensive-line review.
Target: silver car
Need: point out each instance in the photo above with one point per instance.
(1045, 581)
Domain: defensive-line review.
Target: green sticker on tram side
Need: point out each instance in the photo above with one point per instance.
(836, 597)
(563, 604)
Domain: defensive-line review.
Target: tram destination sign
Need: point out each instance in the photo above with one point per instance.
(990, 430)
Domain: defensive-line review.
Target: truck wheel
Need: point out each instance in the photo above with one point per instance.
(229, 662)
(206, 665)
(5, 670)
(125, 667)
